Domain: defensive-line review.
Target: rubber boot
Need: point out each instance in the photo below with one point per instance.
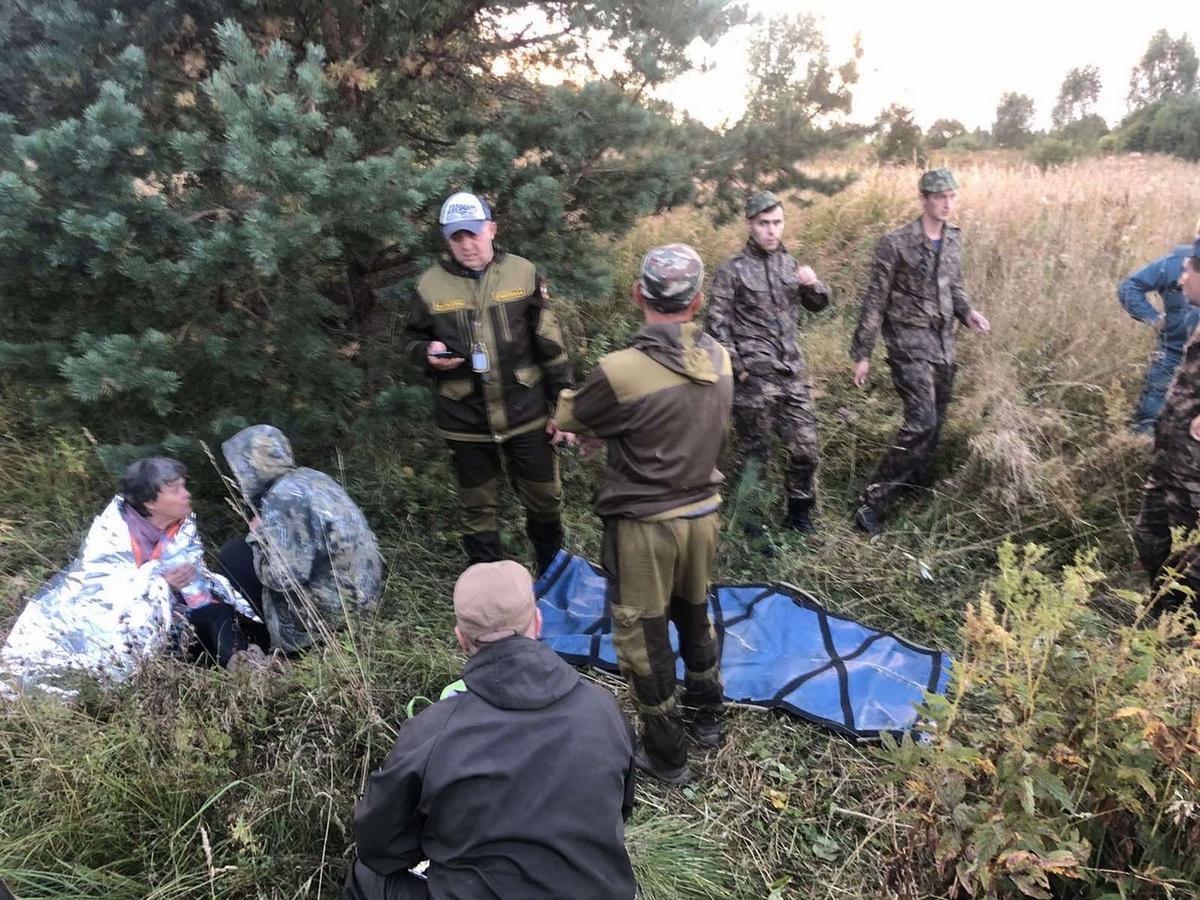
(483, 546)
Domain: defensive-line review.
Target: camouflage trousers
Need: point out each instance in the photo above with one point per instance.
(658, 573)
(779, 404)
(1164, 508)
(533, 472)
(924, 390)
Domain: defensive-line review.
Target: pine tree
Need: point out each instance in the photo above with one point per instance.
(210, 210)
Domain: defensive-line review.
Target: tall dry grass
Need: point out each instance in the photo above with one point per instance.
(1036, 440)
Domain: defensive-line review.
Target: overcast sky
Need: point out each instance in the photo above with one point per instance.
(954, 60)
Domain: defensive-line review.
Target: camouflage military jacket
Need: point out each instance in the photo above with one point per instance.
(1176, 462)
(915, 292)
(313, 551)
(753, 307)
(506, 311)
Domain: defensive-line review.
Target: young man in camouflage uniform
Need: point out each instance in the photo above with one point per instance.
(1174, 325)
(754, 304)
(662, 406)
(1171, 494)
(915, 292)
(482, 326)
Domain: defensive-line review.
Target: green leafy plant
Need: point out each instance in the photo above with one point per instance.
(1061, 760)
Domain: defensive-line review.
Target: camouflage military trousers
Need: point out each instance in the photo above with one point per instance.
(658, 573)
(1164, 508)
(779, 404)
(924, 390)
(533, 472)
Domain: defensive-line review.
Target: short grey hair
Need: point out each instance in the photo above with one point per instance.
(144, 479)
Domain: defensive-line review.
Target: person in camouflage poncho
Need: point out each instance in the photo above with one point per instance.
(754, 304)
(314, 556)
(1171, 494)
(915, 295)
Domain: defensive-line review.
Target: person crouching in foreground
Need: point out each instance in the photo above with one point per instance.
(517, 787)
(310, 555)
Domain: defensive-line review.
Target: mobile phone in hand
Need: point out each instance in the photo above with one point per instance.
(443, 354)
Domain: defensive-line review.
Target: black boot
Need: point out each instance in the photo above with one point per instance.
(483, 546)
(547, 540)
(867, 519)
(799, 515)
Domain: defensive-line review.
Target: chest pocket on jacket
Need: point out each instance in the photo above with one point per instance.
(752, 306)
(913, 279)
(503, 313)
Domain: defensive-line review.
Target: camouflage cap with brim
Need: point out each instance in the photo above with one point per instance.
(761, 202)
(937, 180)
(670, 277)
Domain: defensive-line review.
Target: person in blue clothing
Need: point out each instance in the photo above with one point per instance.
(1175, 325)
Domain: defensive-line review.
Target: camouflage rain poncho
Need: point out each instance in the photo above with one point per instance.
(314, 553)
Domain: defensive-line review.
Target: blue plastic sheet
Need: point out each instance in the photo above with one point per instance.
(779, 649)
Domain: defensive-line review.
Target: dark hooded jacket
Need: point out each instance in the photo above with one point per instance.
(516, 788)
(314, 545)
(662, 405)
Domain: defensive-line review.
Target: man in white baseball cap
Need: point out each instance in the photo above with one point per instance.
(465, 212)
(482, 326)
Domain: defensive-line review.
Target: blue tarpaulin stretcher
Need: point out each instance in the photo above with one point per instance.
(779, 649)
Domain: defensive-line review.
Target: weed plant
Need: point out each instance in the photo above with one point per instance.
(1062, 762)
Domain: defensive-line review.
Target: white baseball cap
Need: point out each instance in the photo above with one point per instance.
(464, 212)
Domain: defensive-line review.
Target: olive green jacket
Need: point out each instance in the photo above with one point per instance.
(506, 311)
(662, 405)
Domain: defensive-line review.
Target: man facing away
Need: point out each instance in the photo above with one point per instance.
(662, 407)
(1171, 494)
(482, 326)
(915, 293)
(754, 305)
(517, 787)
(1175, 325)
(310, 556)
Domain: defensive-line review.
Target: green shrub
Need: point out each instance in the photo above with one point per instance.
(1050, 151)
(1064, 758)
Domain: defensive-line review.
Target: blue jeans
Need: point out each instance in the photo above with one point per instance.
(1154, 389)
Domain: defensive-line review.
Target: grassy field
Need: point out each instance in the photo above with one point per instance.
(1063, 763)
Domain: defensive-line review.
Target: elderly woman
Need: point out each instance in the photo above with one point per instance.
(137, 584)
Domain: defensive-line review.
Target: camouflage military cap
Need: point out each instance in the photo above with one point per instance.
(761, 202)
(670, 277)
(937, 180)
